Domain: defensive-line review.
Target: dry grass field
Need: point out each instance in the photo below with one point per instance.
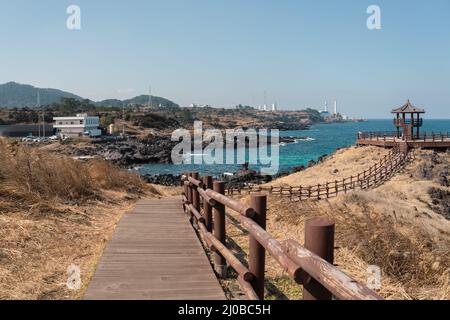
(54, 212)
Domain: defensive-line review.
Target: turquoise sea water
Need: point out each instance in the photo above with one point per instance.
(326, 138)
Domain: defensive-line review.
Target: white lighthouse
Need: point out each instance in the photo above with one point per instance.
(335, 108)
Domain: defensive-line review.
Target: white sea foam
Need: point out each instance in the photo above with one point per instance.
(304, 140)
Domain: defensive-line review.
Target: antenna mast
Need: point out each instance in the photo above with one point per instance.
(265, 100)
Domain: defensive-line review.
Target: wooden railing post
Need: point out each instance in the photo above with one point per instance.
(376, 168)
(207, 209)
(185, 191)
(257, 253)
(319, 239)
(195, 194)
(195, 197)
(219, 228)
(189, 195)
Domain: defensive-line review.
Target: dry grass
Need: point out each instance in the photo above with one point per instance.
(54, 212)
(342, 164)
(395, 226)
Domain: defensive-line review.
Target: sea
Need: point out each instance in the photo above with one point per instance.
(319, 140)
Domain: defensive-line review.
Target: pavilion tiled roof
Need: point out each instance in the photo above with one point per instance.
(408, 108)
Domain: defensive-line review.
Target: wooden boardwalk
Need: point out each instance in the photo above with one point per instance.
(155, 255)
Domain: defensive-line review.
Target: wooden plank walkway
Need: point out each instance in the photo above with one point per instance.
(154, 254)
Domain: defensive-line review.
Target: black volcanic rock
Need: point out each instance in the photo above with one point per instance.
(168, 180)
(130, 152)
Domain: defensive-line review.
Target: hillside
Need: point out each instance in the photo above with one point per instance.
(15, 95)
(139, 100)
(55, 212)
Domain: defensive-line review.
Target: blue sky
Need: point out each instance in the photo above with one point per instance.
(228, 52)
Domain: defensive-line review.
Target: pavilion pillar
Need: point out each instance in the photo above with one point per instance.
(418, 126)
(404, 126)
(398, 125)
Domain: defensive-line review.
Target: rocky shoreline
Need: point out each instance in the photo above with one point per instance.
(240, 179)
(137, 151)
(127, 152)
(131, 152)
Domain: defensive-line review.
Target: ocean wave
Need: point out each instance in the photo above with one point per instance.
(304, 140)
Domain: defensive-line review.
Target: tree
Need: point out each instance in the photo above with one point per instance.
(106, 120)
(186, 115)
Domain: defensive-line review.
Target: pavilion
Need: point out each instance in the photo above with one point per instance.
(408, 121)
(408, 124)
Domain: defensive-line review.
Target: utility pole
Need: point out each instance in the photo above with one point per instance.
(123, 120)
(43, 115)
(43, 121)
(38, 107)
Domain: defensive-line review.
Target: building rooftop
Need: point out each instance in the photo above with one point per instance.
(408, 108)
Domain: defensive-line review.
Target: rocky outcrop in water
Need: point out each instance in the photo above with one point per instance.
(168, 180)
(129, 152)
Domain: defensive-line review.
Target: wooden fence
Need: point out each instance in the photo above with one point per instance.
(374, 176)
(310, 265)
(393, 136)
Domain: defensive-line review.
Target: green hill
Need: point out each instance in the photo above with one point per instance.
(16, 95)
(139, 100)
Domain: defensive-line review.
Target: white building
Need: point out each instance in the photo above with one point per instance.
(78, 126)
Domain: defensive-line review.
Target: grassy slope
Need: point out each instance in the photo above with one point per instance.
(395, 226)
(55, 212)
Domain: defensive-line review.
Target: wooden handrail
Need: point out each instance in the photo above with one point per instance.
(300, 263)
(374, 175)
(433, 136)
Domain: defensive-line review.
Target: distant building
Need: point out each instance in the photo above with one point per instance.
(112, 129)
(25, 130)
(325, 114)
(78, 126)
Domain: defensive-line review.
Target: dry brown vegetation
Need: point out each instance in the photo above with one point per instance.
(54, 212)
(400, 226)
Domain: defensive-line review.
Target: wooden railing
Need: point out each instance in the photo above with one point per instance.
(392, 136)
(374, 176)
(414, 122)
(310, 265)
